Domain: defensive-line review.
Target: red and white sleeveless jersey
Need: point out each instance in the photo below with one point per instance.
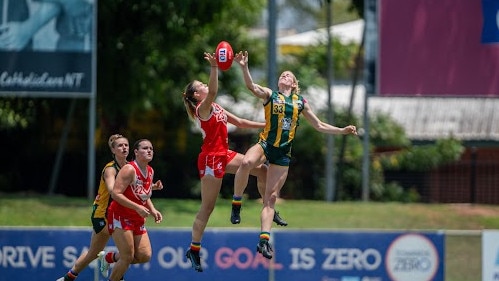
(214, 130)
(139, 192)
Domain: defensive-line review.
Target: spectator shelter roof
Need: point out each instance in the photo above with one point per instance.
(349, 32)
(423, 118)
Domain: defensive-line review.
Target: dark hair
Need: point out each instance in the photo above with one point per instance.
(189, 100)
(136, 145)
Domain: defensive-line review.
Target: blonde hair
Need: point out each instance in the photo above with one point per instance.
(113, 138)
(296, 89)
(190, 101)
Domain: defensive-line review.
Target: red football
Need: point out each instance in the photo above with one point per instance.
(224, 55)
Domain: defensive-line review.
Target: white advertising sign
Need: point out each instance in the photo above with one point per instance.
(490, 255)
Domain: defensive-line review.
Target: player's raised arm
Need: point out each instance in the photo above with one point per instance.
(257, 90)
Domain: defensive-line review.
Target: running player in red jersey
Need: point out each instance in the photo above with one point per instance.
(130, 206)
(215, 158)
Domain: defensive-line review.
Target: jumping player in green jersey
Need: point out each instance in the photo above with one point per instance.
(282, 113)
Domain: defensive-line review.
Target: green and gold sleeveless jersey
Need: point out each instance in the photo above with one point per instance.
(103, 198)
(282, 116)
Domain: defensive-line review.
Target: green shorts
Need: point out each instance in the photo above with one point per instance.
(276, 155)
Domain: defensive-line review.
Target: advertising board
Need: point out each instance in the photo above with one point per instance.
(229, 254)
(445, 48)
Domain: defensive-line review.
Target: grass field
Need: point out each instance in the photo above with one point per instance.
(462, 222)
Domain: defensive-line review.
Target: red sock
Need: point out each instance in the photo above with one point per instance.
(71, 275)
(109, 257)
(195, 246)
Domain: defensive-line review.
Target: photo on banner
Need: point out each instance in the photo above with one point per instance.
(46, 46)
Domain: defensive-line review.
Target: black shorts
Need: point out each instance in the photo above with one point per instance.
(98, 224)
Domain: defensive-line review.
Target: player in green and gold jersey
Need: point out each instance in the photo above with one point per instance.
(282, 116)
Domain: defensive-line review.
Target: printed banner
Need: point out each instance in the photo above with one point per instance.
(437, 48)
(490, 31)
(228, 254)
(45, 72)
(490, 255)
(47, 47)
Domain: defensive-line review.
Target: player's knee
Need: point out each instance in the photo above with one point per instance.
(143, 257)
(208, 209)
(247, 165)
(273, 198)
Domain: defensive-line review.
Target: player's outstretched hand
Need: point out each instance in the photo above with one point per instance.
(241, 58)
(350, 129)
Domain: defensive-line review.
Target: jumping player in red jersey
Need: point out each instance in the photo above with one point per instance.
(215, 158)
(130, 206)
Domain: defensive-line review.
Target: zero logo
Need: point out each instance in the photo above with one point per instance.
(412, 257)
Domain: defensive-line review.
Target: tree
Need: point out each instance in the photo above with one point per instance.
(147, 56)
(147, 52)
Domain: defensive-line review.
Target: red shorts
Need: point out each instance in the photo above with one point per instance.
(214, 164)
(116, 221)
